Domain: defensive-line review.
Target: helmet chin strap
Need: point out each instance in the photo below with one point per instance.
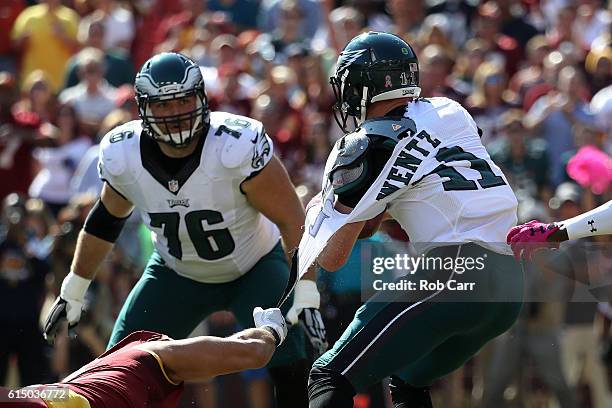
(363, 109)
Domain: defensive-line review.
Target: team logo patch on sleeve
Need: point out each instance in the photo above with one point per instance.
(261, 151)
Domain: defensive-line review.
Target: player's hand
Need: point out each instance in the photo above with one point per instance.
(62, 310)
(67, 306)
(531, 237)
(305, 311)
(314, 327)
(272, 318)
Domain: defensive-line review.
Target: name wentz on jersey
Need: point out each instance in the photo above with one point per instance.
(201, 223)
(440, 183)
(451, 190)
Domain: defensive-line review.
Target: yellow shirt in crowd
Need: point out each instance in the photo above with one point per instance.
(43, 49)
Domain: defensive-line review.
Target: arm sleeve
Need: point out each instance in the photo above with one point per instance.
(592, 223)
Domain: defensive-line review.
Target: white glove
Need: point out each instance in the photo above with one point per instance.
(305, 310)
(68, 305)
(305, 295)
(272, 318)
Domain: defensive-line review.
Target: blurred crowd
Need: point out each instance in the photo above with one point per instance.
(536, 75)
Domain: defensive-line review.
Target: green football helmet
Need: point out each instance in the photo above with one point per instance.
(374, 66)
(168, 76)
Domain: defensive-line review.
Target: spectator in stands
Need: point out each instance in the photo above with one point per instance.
(407, 16)
(468, 61)
(45, 35)
(40, 229)
(459, 14)
(317, 148)
(342, 24)
(231, 95)
(435, 67)
(591, 22)
(532, 71)
(436, 30)
(289, 29)
(552, 65)
(601, 107)
(118, 24)
(9, 10)
(487, 27)
(312, 78)
(271, 15)
(553, 115)
(57, 164)
(36, 96)
(22, 290)
(522, 157)
(598, 65)
(489, 99)
(281, 119)
(21, 130)
(93, 97)
(242, 13)
(148, 16)
(561, 29)
(119, 68)
(604, 40)
(176, 32)
(513, 22)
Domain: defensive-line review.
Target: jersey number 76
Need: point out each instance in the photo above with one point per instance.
(209, 244)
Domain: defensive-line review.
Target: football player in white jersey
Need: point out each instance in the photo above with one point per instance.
(217, 202)
(421, 162)
(528, 238)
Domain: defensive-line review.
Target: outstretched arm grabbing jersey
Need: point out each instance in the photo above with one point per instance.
(534, 235)
(147, 366)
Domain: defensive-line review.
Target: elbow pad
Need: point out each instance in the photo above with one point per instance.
(102, 224)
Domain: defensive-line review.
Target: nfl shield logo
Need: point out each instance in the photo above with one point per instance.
(396, 127)
(173, 186)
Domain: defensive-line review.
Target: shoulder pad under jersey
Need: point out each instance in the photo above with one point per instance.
(395, 128)
(238, 133)
(114, 149)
